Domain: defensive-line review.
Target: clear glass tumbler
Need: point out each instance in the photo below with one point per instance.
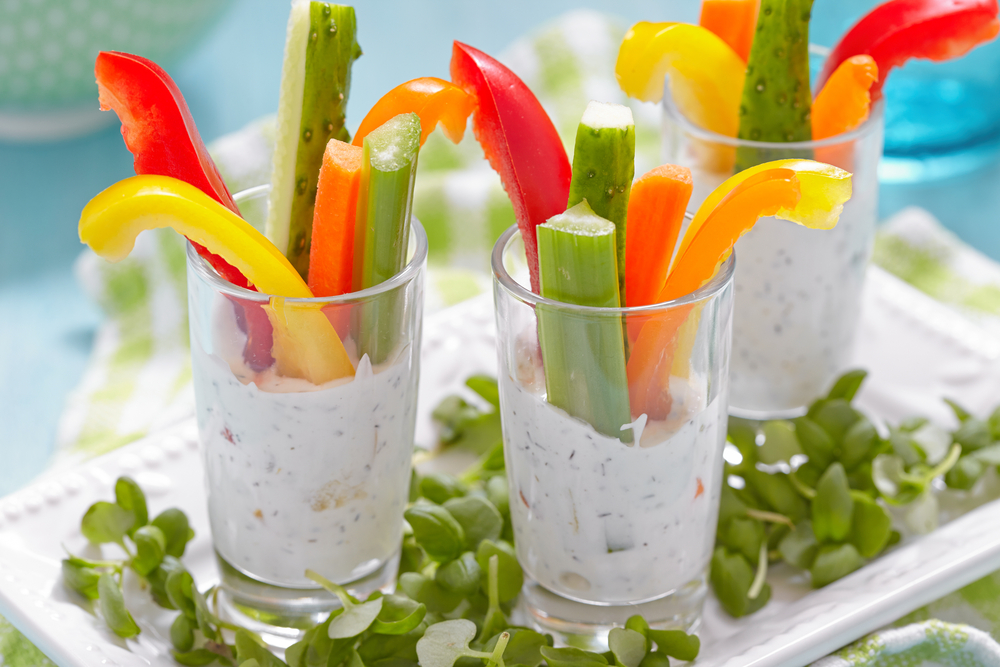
(302, 475)
(605, 526)
(797, 290)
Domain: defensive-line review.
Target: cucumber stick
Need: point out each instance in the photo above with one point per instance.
(320, 49)
(584, 356)
(382, 232)
(777, 102)
(603, 167)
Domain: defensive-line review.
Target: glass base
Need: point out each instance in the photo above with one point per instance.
(586, 626)
(764, 415)
(282, 615)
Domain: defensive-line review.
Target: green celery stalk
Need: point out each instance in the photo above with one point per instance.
(320, 49)
(777, 102)
(584, 357)
(603, 167)
(382, 232)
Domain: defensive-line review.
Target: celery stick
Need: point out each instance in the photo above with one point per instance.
(777, 102)
(584, 357)
(315, 81)
(603, 167)
(385, 197)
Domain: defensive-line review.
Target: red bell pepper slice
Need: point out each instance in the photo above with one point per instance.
(519, 140)
(898, 30)
(161, 135)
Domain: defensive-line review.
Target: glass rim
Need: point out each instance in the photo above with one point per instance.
(220, 284)
(723, 277)
(875, 117)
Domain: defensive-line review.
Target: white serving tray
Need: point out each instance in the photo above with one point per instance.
(798, 626)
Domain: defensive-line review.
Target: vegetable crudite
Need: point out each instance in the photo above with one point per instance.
(735, 99)
(302, 351)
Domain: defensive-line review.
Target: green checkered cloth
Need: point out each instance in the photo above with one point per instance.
(138, 379)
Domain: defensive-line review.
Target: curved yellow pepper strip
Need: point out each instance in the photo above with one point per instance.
(824, 190)
(306, 344)
(706, 75)
(112, 220)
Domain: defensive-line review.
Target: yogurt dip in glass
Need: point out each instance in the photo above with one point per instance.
(608, 527)
(301, 476)
(797, 291)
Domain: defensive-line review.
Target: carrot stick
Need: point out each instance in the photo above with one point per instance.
(655, 215)
(331, 257)
(734, 21)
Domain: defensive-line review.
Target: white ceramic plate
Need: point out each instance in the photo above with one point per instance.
(797, 627)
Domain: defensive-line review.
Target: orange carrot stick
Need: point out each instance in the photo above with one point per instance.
(734, 21)
(655, 215)
(331, 257)
(845, 100)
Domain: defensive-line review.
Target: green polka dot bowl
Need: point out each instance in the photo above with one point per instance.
(48, 47)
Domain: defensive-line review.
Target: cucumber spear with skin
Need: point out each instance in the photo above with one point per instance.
(603, 167)
(320, 49)
(382, 227)
(777, 101)
(584, 358)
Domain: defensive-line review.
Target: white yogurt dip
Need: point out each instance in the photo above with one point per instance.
(301, 476)
(797, 296)
(600, 521)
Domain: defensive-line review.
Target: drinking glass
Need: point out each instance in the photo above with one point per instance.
(612, 522)
(303, 473)
(797, 291)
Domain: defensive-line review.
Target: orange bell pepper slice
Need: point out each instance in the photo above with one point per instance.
(649, 367)
(802, 191)
(763, 194)
(656, 208)
(433, 100)
(845, 100)
(734, 21)
(331, 255)
(824, 189)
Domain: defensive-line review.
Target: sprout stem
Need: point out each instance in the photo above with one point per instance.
(761, 576)
(336, 589)
(804, 490)
(770, 517)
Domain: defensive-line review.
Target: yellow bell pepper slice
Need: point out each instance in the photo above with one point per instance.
(308, 346)
(824, 190)
(706, 75)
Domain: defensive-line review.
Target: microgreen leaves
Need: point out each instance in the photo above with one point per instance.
(845, 474)
(804, 492)
(147, 547)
